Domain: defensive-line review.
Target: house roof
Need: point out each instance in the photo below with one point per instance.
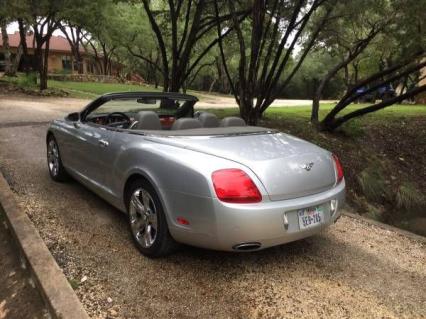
(57, 43)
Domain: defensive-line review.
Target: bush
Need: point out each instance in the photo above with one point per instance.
(409, 198)
(27, 80)
(372, 183)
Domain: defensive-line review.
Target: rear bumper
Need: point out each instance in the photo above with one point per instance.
(225, 226)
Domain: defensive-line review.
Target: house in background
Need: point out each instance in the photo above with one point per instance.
(61, 59)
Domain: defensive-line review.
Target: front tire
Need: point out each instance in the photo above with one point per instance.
(54, 163)
(147, 221)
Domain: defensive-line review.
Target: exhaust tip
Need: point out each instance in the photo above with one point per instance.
(247, 246)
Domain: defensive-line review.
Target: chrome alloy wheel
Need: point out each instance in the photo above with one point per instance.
(143, 217)
(53, 157)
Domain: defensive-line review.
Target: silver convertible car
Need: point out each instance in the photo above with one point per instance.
(187, 177)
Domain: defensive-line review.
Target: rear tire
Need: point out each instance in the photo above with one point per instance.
(147, 221)
(54, 163)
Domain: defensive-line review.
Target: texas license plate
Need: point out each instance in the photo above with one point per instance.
(310, 217)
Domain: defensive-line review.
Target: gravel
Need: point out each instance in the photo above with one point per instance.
(351, 270)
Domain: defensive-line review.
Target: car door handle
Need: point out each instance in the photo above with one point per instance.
(103, 143)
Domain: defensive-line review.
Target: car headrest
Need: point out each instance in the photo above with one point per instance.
(147, 120)
(186, 123)
(232, 121)
(208, 119)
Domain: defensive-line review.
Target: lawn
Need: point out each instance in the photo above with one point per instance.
(303, 113)
(91, 90)
(94, 89)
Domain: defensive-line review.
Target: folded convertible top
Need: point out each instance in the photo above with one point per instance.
(220, 131)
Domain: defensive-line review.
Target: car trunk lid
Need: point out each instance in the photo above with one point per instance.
(288, 167)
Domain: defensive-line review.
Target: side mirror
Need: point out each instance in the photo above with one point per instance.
(73, 117)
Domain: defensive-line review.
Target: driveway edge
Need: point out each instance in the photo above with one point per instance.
(60, 298)
(386, 226)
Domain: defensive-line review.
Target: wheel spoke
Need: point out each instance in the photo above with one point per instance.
(153, 220)
(145, 199)
(137, 204)
(137, 223)
(148, 236)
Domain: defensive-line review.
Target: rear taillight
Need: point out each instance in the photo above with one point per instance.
(339, 169)
(235, 186)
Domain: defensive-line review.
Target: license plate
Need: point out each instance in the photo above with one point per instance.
(310, 217)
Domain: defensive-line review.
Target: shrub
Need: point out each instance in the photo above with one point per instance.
(372, 183)
(28, 80)
(408, 197)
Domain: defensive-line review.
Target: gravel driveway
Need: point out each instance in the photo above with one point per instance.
(352, 270)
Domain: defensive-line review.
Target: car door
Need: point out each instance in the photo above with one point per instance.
(88, 152)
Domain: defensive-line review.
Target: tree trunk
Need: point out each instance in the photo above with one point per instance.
(44, 67)
(317, 97)
(347, 79)
(79, 61)
(23, 43)
(212, 85)
(15, 64)
(6, 50)
(38, 57)
(315, 106)
(249, 113)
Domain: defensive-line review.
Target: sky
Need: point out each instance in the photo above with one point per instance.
(13, 27)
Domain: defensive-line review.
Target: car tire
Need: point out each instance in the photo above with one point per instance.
(54, 163)
(147, 221)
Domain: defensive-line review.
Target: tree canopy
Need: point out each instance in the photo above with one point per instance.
(257, 50)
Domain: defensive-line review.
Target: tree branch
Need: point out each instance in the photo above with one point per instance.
(339, 121)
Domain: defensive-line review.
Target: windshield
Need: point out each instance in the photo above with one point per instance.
(162, 106)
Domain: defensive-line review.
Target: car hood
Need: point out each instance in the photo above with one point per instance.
(287, 166)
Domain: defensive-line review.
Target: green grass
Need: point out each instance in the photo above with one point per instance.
(303, 113)
(93, 89)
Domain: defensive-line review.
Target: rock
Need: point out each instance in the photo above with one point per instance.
(112, 313)
(83, 279)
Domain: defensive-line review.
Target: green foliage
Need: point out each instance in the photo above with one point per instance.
(313, 69)
(62, 72)
(28, 80)
(409, 197)
(95, 88)
(372, 183)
